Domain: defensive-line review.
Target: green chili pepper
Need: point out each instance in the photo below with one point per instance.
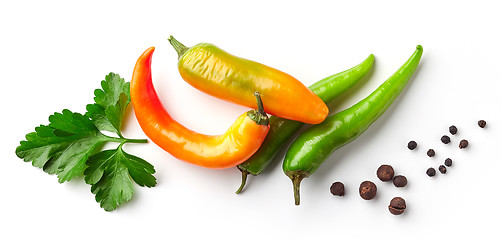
(314, 146)
(282, 129)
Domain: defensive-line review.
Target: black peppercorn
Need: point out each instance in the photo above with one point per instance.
(445, 139)
(442, 169)
(337, 189)
(463, 144)
(431, 153)
(385, 173)
(448, 162)
(412, 145)
(367, 190)
(453, 130)
(400, 181)
(431, 172)
(482, 123)
(397, 206)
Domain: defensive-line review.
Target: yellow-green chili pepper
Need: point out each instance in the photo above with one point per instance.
(220, 74)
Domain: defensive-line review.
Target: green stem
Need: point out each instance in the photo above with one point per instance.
(259, 102)
(179, 47)
(126, 140)
(296, 178)
(244, 178)
(120, 135)
(259, 115)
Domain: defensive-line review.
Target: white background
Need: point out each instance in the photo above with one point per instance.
(53, 54)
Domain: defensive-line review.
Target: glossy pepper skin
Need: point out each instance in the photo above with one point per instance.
(316, 144)
(225, 76)
(281, 130)
(236, 145)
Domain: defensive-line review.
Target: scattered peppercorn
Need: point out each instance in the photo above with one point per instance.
(442, 169)
(385, 173)
(337, 189)
(400, 181)
(397, 205)
(463, 144)
(448, 162)
(445, 139)
(367, 190)
(431, 153)
(431, 172)
(412, 145)
(482, 123)
(453, 130)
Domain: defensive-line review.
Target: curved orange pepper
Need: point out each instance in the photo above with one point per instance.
(233, 147)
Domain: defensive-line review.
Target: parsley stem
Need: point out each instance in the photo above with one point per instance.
(126, 140)
(120, 135)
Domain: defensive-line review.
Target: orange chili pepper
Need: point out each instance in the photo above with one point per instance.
(233, 147)
(234, 79)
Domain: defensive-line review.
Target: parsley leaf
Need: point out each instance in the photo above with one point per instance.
(63, 146)
(66, 145)
(111, 174)
(111, 101)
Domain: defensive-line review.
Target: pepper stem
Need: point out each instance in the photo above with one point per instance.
(259, 115)
(179, 47)
(296, 178)
(244, 178)
(259, 102)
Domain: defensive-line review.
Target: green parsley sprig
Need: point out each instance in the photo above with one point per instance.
(67, 147)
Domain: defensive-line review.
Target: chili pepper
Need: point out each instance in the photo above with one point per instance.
(314, 146)
(282, 129)
(225, 76)
(236, 145)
